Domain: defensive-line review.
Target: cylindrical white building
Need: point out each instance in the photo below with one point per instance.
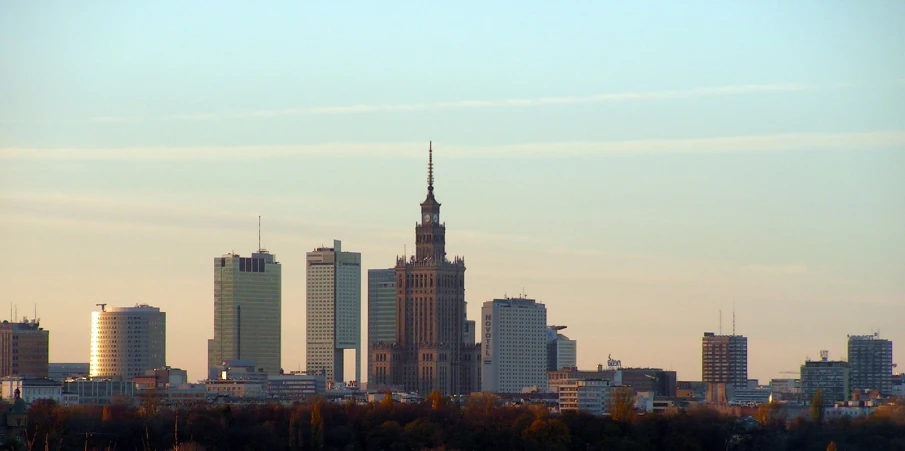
(127, 341)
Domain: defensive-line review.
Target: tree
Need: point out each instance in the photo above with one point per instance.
(768, 414)
(621, 404)
(817, 406)
(387, 400)
(296, 440)
(547, 434)
(317, 425)
(435, 399)
(831, 446)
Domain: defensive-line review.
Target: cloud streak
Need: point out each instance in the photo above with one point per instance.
(476, 104)
(873, 140)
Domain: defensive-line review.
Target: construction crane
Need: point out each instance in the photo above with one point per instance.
(102, 306)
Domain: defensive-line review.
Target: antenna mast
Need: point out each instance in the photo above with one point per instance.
(259, 233)
(430, 165)
(733, 319)
(721, 321)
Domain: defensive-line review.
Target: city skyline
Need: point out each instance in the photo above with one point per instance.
(637, 169)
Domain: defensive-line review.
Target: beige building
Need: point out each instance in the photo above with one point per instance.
(430, 352)
(24, 349)
(247, 311)
(235, 388)
(590, 396)
(127, 341)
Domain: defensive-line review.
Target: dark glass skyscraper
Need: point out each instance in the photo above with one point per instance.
(870, 360)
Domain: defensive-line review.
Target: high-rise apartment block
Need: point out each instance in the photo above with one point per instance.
(333, 310)
(561, 351)
(514, 336)
(429, 352)
(724, 359)
(381, 311)
(127, 341)
(24, 349)
(830, 377)
(870, 360)
(247, 312)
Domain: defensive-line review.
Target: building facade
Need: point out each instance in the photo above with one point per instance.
(63, 371)
(561, 351)
(589, 396)
(655, 380)
(870, 361)
(514, 341)
(295, 387)
(247, 311)
(381, 311)
(333, 308)
(429, 352)
(724, 359)
(30, 389)
(127, 341)
(830, 377)
(24, 349)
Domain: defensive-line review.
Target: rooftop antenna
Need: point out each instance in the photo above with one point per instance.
(733, 318)
(259, 233)
(721, 321)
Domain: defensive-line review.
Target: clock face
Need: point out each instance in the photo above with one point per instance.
(427, 218)
(436, 218)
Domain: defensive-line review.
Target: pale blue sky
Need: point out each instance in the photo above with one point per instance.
(635, 167)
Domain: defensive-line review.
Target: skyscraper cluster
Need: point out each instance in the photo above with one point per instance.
(419, 336)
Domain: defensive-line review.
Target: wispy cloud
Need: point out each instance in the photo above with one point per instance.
(475, 104)
(873, 140)
(790, 269)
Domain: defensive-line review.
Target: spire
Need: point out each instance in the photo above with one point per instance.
(430, 166)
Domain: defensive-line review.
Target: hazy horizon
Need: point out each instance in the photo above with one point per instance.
(635, 168)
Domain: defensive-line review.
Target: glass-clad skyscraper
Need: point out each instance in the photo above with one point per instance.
(247, 309)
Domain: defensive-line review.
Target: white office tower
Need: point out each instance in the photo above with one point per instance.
(333, 310)
(127, 341)
(514, 348)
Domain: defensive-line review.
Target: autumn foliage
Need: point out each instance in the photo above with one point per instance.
(437, 424)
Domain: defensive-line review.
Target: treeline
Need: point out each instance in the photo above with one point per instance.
(434, 424)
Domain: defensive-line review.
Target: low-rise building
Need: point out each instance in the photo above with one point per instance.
(650, 402)
(589, 395)
(785, 389)
(100, 391)
(851, 409)
(565, 376)
(295, 387)
(832, 378)
(235, 388)
(239, 369)
(13, 418)
(656, 380)
(751, 396)
(64, 371)
(31, 389)
(161, 378)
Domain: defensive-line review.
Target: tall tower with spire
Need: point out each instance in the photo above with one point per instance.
(430, 352)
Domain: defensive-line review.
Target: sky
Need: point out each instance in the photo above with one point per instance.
(638, 167)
